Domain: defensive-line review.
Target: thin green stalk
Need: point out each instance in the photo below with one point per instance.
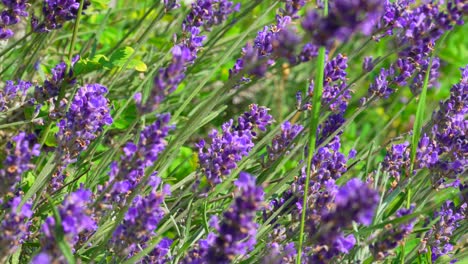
(75, 33)
(314, 120)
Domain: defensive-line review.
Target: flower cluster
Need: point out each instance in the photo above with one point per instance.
(235, 141)
(396, 160)
(10, 15)
(204, 14)
(13, 94)
(87, 116)
(335, 209)
(344, 19)
(19, 153)
(276, 40)
(14, 225)
(125, 175)
(237, 230)
(449, 131)
(393, 235)
(76, 221)
(416, 30)
(282, 142)
(438, 238)
(52, 85)
(140, 223)
(56, 13)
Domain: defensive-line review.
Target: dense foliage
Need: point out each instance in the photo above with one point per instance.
(230, 131)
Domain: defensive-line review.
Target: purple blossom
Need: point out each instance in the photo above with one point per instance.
(237, 230)
(368, 64)
(282, 142)
(55, 13)
(273, 41)
(355, 201)
(427, 152)
(345, 18)
(280, 254)
(234, 142)
(14, 225)
(171, 4)
(140, 223)
(77, 222)
(13, 94)
(19, 154)
(84, 121)
(203, 15)
(449, 133)
(396, 160)
(291, 7)
(333, 209)
(207, 13)
(393, 235)
(416, 30)
(52, 85)
(438, 238)
(11, 14)
(126, 174)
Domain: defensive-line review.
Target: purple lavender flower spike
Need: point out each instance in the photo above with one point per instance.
(140, 223)
(171, 4)
(86, 118)
(14, 94)
(276, 40)
(14, 225)
(396, 160)
(11, 15)
(449, 134)
(281, 143)
(78, 222)
(234, 142)
(55, 13)
(438, 238)
(203, 15)
(280, 254)
(355, 201)
(126, 174)
(368, 64)
(237, 230)
(393, 235)
(18, 160)
(342, 21)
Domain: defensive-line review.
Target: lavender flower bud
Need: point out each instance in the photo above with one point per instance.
(14, 225)
(227, 148)
(77, 222)
(393, 235)
(140, 222)
(56, 12)
(10, 15)
(236, 233)
(13, 94)
(438, 238)
(88, 114)
(18, 160)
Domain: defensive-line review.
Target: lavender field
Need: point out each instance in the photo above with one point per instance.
(233, 131)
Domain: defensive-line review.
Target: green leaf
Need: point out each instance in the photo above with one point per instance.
(137, 65)
(121, 56)
(394, 205)
(40, 182)
(51, 140)
(84, 66)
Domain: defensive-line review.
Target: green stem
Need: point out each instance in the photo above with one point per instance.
(75, 33)
(314, 120)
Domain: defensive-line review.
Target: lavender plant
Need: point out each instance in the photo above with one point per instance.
(215, 131)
